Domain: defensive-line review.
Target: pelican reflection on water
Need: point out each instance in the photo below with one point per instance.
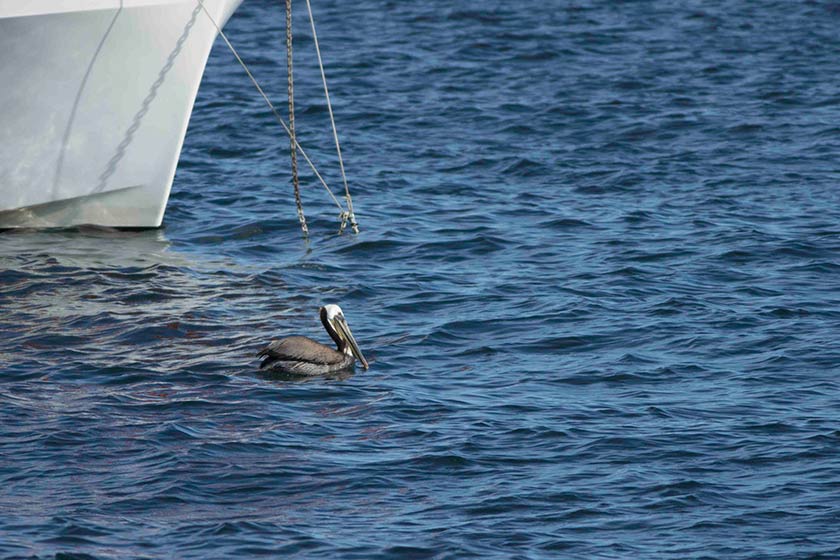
(300, 355)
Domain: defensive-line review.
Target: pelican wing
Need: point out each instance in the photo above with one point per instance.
(300, 349)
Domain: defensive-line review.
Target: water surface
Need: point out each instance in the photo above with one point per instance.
(596, 279)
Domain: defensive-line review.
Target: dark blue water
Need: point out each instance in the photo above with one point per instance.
(597, 280)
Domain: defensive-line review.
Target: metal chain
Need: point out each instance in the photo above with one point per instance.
(345, 215)
(278, 117)
(293, 140)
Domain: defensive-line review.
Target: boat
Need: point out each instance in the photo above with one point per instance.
(95, 99)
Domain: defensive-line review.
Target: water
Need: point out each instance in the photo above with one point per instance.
(597, 281)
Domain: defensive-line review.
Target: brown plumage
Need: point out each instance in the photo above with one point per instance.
(303, 356)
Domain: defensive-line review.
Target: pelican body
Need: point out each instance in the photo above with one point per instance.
(300, 355)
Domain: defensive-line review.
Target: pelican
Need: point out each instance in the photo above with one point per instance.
(303, 356)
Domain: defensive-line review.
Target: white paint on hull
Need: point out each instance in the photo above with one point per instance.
(95, 98)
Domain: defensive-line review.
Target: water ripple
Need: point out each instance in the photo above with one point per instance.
(596, 282)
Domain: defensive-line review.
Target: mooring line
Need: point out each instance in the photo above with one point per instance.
(350, 215)
(273, 109)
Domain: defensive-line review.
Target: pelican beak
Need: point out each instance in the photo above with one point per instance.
(340, 325)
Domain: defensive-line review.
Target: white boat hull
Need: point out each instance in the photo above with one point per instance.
(95, 98)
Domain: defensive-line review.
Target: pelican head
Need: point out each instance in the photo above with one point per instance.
(336, 326)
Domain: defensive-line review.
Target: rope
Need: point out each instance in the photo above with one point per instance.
(295, 180)
(350, 214)
(271, 106)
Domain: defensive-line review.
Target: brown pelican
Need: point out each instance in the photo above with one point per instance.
(303, 356)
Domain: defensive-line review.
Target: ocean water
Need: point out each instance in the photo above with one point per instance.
(597, 281)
